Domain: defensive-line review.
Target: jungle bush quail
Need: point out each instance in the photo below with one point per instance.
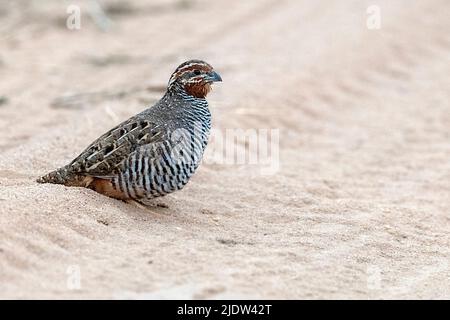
(154, 152)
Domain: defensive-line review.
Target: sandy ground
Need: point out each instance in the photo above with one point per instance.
(358, 209)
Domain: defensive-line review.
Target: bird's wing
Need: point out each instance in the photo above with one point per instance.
(105, 156)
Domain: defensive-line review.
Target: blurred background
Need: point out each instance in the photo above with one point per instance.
(358, 90)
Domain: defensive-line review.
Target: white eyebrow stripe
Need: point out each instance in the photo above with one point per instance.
(189, 66)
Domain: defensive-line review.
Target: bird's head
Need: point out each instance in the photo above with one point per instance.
(195, 77)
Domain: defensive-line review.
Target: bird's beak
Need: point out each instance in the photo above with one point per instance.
(214, 77)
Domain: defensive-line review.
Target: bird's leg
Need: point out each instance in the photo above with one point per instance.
(161, 205)
(152, 203)
(140, 205)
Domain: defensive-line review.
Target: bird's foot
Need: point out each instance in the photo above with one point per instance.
(161, 205)
(140, 205)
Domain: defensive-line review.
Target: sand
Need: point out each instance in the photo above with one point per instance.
(358, 208)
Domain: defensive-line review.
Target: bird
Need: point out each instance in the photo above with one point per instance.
(153, 153)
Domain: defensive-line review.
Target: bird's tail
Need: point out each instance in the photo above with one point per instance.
(66, 177)
(59, 176)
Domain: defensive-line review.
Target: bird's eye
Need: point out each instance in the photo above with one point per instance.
(197, 72)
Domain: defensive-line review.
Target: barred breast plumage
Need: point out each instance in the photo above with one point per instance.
(155, 152)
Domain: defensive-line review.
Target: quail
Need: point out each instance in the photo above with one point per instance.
(154, 152)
